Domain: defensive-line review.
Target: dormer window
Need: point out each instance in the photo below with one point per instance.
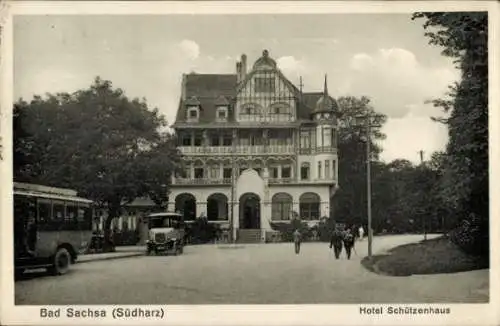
(222, 113)
(193, 113)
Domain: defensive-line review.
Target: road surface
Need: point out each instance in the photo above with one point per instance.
(249, 274)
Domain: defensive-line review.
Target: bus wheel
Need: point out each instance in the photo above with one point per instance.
(62, 260)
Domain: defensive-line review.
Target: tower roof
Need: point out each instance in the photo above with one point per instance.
(325, 103)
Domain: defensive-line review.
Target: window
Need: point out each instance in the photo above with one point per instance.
(71, 211)
(319, 170)
(286, 172)
(264, 85)
(281, 206)
(305, 139)
(186, 140)
(214, 172)
(327, 169)
(309, 206)
(198, 173)
(274, 173)
(58, 210)
(327, 136)
(304, 172)
(215, 141)
(227, 140)
(193, 113)
(222, 113)
(334, 169)
(198, 140)
(187, 173)
(334, 138)
(227, 173)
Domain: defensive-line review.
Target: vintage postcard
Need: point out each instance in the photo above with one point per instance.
(249, 163)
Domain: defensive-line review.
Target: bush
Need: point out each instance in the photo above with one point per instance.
(286, 229)
(472, 236)
(200, 231)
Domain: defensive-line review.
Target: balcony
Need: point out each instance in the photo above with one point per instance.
(201, 182)
(238, 150)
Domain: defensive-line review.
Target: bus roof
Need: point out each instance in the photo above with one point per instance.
(44, 189)
(52, 196)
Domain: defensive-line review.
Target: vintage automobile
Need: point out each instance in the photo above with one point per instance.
(166, 233)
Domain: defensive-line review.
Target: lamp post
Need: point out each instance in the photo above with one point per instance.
(368, 124)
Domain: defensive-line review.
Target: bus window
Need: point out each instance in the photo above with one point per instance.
(44, 210)
(58, 210)
(71, 212)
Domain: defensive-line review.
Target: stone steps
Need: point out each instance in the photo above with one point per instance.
(249, 236)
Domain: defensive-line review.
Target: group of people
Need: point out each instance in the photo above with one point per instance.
(338, 240)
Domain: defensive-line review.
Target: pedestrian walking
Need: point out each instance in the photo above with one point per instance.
(297, 238)
(361, 232)
(336, 242)
(348, 242)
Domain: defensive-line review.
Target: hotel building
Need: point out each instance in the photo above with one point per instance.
(255, 148)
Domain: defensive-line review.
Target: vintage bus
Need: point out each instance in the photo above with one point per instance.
(52, 226)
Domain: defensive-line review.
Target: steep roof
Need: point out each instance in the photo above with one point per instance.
(207, 89)
(211, 90)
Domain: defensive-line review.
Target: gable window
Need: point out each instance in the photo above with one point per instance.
(265, 85)
(250, 112)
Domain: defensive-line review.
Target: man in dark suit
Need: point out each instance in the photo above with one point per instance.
(348, 242)
(336, 242)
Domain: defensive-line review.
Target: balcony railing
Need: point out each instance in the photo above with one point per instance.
(180, 181)
(240, 149)
(227, 181)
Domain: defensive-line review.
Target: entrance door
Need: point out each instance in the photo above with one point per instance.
(250, 211)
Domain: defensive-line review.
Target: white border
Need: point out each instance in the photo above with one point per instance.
(478, 314)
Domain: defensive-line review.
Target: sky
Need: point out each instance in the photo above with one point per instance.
(383, 56)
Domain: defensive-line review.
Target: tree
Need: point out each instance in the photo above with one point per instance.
(464, 37)
(350, 200)
(111, 149)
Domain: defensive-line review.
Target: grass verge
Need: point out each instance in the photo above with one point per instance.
(436, 256)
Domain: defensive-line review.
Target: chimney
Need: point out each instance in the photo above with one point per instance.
(183, 87)
(243, 66)
(238, 71)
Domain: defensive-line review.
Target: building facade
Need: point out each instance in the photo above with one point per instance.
(256, 149)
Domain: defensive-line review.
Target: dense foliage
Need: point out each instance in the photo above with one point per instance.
(97, 141)
(464, 37)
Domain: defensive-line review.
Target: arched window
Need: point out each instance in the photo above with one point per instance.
(309, 206)
(281, 206)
